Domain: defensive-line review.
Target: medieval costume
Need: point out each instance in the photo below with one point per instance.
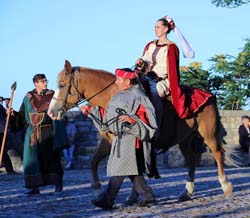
(161, 63)
(131, 147)
(41, 162)
(244, 134)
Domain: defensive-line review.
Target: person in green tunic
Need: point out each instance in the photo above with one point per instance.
(42, 165)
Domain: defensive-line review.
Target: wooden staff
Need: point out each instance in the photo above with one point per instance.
(13, 88)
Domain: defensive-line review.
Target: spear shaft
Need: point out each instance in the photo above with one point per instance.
(13, 88)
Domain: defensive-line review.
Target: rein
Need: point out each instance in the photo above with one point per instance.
(119, 131)
(82, 99)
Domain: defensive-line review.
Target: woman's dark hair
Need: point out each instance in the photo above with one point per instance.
(166, 23)
(38, 76)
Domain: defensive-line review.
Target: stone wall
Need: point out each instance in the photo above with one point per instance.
(88, 139)
(231, 121)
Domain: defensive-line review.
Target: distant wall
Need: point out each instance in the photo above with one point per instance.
(231, 121)
(88, 139)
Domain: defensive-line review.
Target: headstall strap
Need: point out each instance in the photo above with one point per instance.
(74, 70)
(74, 82)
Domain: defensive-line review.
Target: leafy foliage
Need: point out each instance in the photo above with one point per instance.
(229, 3)
(195, 76)
(228, 78)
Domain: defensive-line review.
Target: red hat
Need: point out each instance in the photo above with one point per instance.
(126, 73)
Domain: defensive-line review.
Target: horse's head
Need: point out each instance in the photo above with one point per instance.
(81, 84)
(67, 95)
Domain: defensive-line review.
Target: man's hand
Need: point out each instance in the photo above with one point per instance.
(58, 117)
(10, 111)
(85, 109)
(126, 118)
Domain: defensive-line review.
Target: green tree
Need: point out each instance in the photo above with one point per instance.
(233, 74)
(229, 3)
(195, 76)
(228, 78)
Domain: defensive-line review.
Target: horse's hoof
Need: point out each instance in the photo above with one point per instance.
(96, 185)
(184, 196)
(228, 189)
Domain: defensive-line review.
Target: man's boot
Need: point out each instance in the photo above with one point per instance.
(103, 201)
(34, 191)
(59, 186)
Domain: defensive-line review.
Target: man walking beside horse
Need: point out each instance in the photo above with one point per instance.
(130, 116)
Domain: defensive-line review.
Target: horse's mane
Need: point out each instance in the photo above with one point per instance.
(97, 72)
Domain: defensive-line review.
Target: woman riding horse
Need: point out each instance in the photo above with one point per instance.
(160, 65)
(97, 87)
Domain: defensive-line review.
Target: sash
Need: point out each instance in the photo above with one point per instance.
(36, 120)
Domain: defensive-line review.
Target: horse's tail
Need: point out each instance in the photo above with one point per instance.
(230, 155)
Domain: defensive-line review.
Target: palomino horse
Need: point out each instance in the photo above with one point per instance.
(79, 84)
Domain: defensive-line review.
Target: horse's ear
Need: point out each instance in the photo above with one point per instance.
(67, 66)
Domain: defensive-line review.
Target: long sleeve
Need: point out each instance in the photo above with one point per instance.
(97, 115)
(146, 55)
(143, 129)
(173, 75)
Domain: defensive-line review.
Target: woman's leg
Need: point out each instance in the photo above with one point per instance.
(157, 103)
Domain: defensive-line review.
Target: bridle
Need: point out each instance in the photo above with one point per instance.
(81, 98)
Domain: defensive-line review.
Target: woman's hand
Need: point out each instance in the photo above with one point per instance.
(139, 62)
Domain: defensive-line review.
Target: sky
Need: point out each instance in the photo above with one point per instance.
(37, 36)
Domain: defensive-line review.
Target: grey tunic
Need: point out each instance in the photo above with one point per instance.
(129, 100)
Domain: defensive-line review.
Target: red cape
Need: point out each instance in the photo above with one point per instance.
(186, 100)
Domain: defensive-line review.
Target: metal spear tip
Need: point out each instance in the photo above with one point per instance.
(13, 87)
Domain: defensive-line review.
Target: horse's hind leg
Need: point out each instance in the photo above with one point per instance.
(190, 158)
(102, 151)
(207, 129)
(217, 153)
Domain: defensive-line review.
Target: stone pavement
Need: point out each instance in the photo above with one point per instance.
(74, 201)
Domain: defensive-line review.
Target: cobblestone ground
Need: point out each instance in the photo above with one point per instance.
(74, 201)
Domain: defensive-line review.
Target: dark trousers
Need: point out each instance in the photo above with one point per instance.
(6, 159)
(245, 148)
(140, 187)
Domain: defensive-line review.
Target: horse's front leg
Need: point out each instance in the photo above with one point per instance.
(102, 151)
(190, 158)
(217, 152)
